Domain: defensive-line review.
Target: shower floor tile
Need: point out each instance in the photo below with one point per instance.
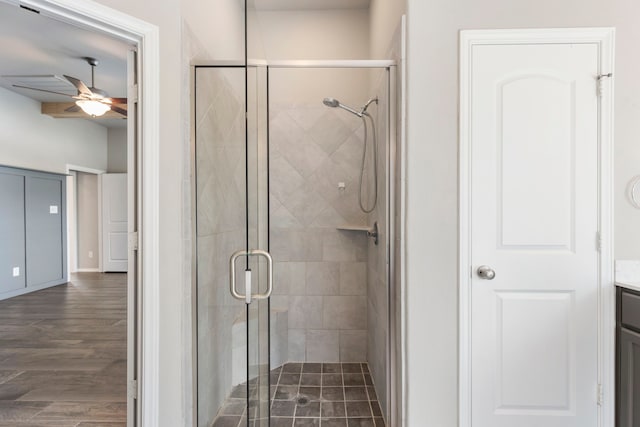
(312, 394)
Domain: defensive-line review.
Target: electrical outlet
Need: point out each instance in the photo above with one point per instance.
(16, 271)
(90, 254)
(53, 209)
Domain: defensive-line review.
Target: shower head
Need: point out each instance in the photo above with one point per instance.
(333, 103)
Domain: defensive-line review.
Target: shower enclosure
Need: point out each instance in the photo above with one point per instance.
(294, 236)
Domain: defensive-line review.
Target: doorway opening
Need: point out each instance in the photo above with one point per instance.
(139, 391)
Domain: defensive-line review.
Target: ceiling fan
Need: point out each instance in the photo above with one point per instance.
(93, 101)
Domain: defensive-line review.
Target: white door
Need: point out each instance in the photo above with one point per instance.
(114, 222)
(534, 222)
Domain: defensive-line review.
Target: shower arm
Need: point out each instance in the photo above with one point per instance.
(369, 102)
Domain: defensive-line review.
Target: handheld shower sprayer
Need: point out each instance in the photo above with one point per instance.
(334, 103)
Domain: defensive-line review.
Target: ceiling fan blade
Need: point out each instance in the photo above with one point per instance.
(119, 110)
(73, 109)
(122, 101)
(82, 88)
(43, 90)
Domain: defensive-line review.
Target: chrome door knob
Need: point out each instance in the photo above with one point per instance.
(486, 272)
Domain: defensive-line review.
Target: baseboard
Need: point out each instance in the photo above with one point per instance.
(28, 290)
(87, 270)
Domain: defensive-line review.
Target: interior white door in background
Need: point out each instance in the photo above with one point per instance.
(114, 222)
(534, 223)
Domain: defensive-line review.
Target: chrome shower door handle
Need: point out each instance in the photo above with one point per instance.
(248, 295)
(486, 272)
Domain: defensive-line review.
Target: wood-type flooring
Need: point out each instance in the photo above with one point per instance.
(63, 354)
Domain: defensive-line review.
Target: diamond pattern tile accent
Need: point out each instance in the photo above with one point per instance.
(312, 150)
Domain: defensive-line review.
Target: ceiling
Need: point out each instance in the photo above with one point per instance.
(32, 44)
(309, 4)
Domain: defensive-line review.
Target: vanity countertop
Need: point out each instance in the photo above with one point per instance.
(634, 286)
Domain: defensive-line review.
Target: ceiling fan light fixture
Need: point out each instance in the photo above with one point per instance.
(93, 108)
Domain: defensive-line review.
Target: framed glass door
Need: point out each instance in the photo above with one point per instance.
(234, 268)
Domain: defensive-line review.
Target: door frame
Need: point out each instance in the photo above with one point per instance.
(605, 39)
(72, 204)
(97, 17)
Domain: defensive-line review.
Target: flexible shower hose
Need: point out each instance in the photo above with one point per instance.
(375, 164)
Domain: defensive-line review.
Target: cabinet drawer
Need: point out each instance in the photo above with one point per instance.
(630, 310)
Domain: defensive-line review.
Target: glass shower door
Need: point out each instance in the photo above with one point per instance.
(234, 268)
(260, 262)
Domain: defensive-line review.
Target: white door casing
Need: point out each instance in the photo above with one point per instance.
(533, 168)
(114, 222)
(146, 37)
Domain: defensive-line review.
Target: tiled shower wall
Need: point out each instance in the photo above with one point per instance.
(320, 272)
(220, 164)
(378, 268)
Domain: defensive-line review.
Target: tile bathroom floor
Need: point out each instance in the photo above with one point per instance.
(312, 394)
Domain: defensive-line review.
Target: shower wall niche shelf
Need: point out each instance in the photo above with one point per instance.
(371, 231)
(364, 228)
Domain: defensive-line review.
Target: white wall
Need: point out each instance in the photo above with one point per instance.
(31, 140)
(88, 249)
(117, 150)
(432, 212)
(384, 19)
(217, 27)
(328, 34)
(166, 15)
(317, 34)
